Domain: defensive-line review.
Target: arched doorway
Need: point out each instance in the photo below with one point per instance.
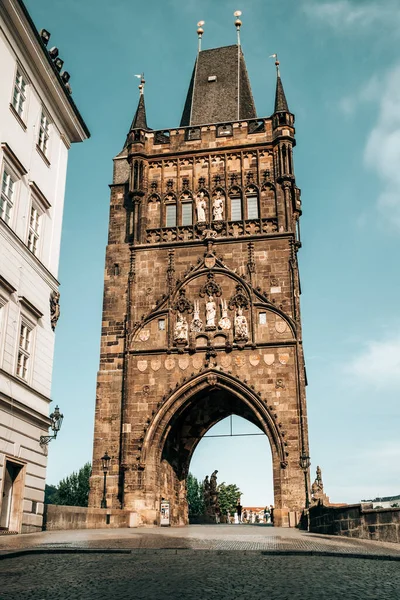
(182, 420)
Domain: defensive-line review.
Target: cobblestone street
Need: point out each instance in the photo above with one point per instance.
(196, 562)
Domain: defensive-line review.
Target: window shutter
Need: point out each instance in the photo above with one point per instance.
(236, 209)
(252, 207)
(170, 215)
(187, 213)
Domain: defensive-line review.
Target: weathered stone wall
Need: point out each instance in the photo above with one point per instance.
(78, 517)
(153, 393)
(354, 520)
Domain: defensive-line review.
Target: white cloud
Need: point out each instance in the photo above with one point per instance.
(382, 151)
(370, 92)
(345, 15)
(378, 364)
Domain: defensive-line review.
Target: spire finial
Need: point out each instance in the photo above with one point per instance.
(277, 63)
(200, 32)
(141, 84)
(238, 24)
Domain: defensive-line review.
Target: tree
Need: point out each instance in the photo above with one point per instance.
(194, 495)
(228, 497)
(50, 494)
(73, 490)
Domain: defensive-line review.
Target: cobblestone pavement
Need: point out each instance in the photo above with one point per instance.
(198, 537)
(196, 575)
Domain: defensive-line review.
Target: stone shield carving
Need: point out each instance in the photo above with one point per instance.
(284, 359)
(169, 363)
(142, 365)
(269, 359)
(144, 335)
(183, 362)
(155, 364)
(197, 361)
(254, 359)
(225, 361)
(280, 326)
(240, 361)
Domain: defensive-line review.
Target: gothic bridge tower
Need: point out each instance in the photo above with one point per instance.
(201, 315)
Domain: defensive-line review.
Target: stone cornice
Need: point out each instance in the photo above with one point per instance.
(22, 383)
(24, 412)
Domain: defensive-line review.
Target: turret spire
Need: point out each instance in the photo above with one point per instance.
(139, 120)
(280, 98)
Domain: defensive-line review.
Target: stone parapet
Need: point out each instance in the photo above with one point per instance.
(354, 520)
(79, 517)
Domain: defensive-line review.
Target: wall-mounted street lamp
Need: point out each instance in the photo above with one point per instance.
(56, 421)
(105, 461)
(305, 463)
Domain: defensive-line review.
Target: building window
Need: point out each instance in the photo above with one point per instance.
(34, 226)
(187, 213)
(7, 193)
(24, 350)
(262, 318)
(252, 207)
(161, 324)
(19, 95)
(170, 220)
(43, 141)
(236, 209)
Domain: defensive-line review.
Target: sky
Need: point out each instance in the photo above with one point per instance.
(340, 66)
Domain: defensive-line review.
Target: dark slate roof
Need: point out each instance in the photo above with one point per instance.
(217, 101)
(280, 98)
(139, 120)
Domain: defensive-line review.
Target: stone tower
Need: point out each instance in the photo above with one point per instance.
(201, 315)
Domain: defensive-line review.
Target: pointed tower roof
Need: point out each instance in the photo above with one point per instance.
(139, 120)
(219, 89)
(281, 104)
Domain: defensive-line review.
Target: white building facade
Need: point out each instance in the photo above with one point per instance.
(38, 123)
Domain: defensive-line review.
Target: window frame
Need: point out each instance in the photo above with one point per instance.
(4, 198)
(26, 353)
(252, 195)
(188, 203)
(236, 197)
(171, 205)
(43, 144)
(24, 92)
(35, 233)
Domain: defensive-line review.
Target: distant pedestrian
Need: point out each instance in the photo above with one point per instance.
(239, 511)
(271, 510)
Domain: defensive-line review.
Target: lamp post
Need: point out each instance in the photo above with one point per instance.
(105, 460)
(305, 465)
(56, 419)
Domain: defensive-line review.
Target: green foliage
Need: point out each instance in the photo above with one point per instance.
(194, 495)
(71, 491)
(50, 494)
(228, 496)
(395, 505)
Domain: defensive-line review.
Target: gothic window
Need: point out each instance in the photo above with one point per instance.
(187, 213)
(252, 203)
(170, 215)
(236, 208)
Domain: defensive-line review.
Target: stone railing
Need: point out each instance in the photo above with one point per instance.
(356, 520)
(58, 517)
(228, 229)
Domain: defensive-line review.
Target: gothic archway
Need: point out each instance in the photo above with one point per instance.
(185, 416)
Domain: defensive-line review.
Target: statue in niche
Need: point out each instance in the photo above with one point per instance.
(241, 328)
(201, 205)
(224, 322)
(196, 324)
(54, 308)
(181, 329)
(211, 313)
(218, 207)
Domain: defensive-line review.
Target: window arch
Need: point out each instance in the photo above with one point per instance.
(253, 210)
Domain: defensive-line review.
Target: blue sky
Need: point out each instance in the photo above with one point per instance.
(340, 65)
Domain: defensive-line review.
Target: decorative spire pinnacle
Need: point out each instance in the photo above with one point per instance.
(238, 24)
(200, 32)
(139, 120)
(280, 98)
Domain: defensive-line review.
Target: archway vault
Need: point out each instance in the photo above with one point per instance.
(232, 396)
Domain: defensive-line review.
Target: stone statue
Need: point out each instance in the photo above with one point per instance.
(196, 324)
(224, 322)
(241, 328)
(213, 482)
(201, 205)
(218, 207)
(211, 313)
(181, 329)
(317, 490)
(54, 308)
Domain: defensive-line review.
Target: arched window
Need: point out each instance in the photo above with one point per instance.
(170, 215)
(187, 213)
(252, 203)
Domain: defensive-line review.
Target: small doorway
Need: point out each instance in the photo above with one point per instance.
(11, 502)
